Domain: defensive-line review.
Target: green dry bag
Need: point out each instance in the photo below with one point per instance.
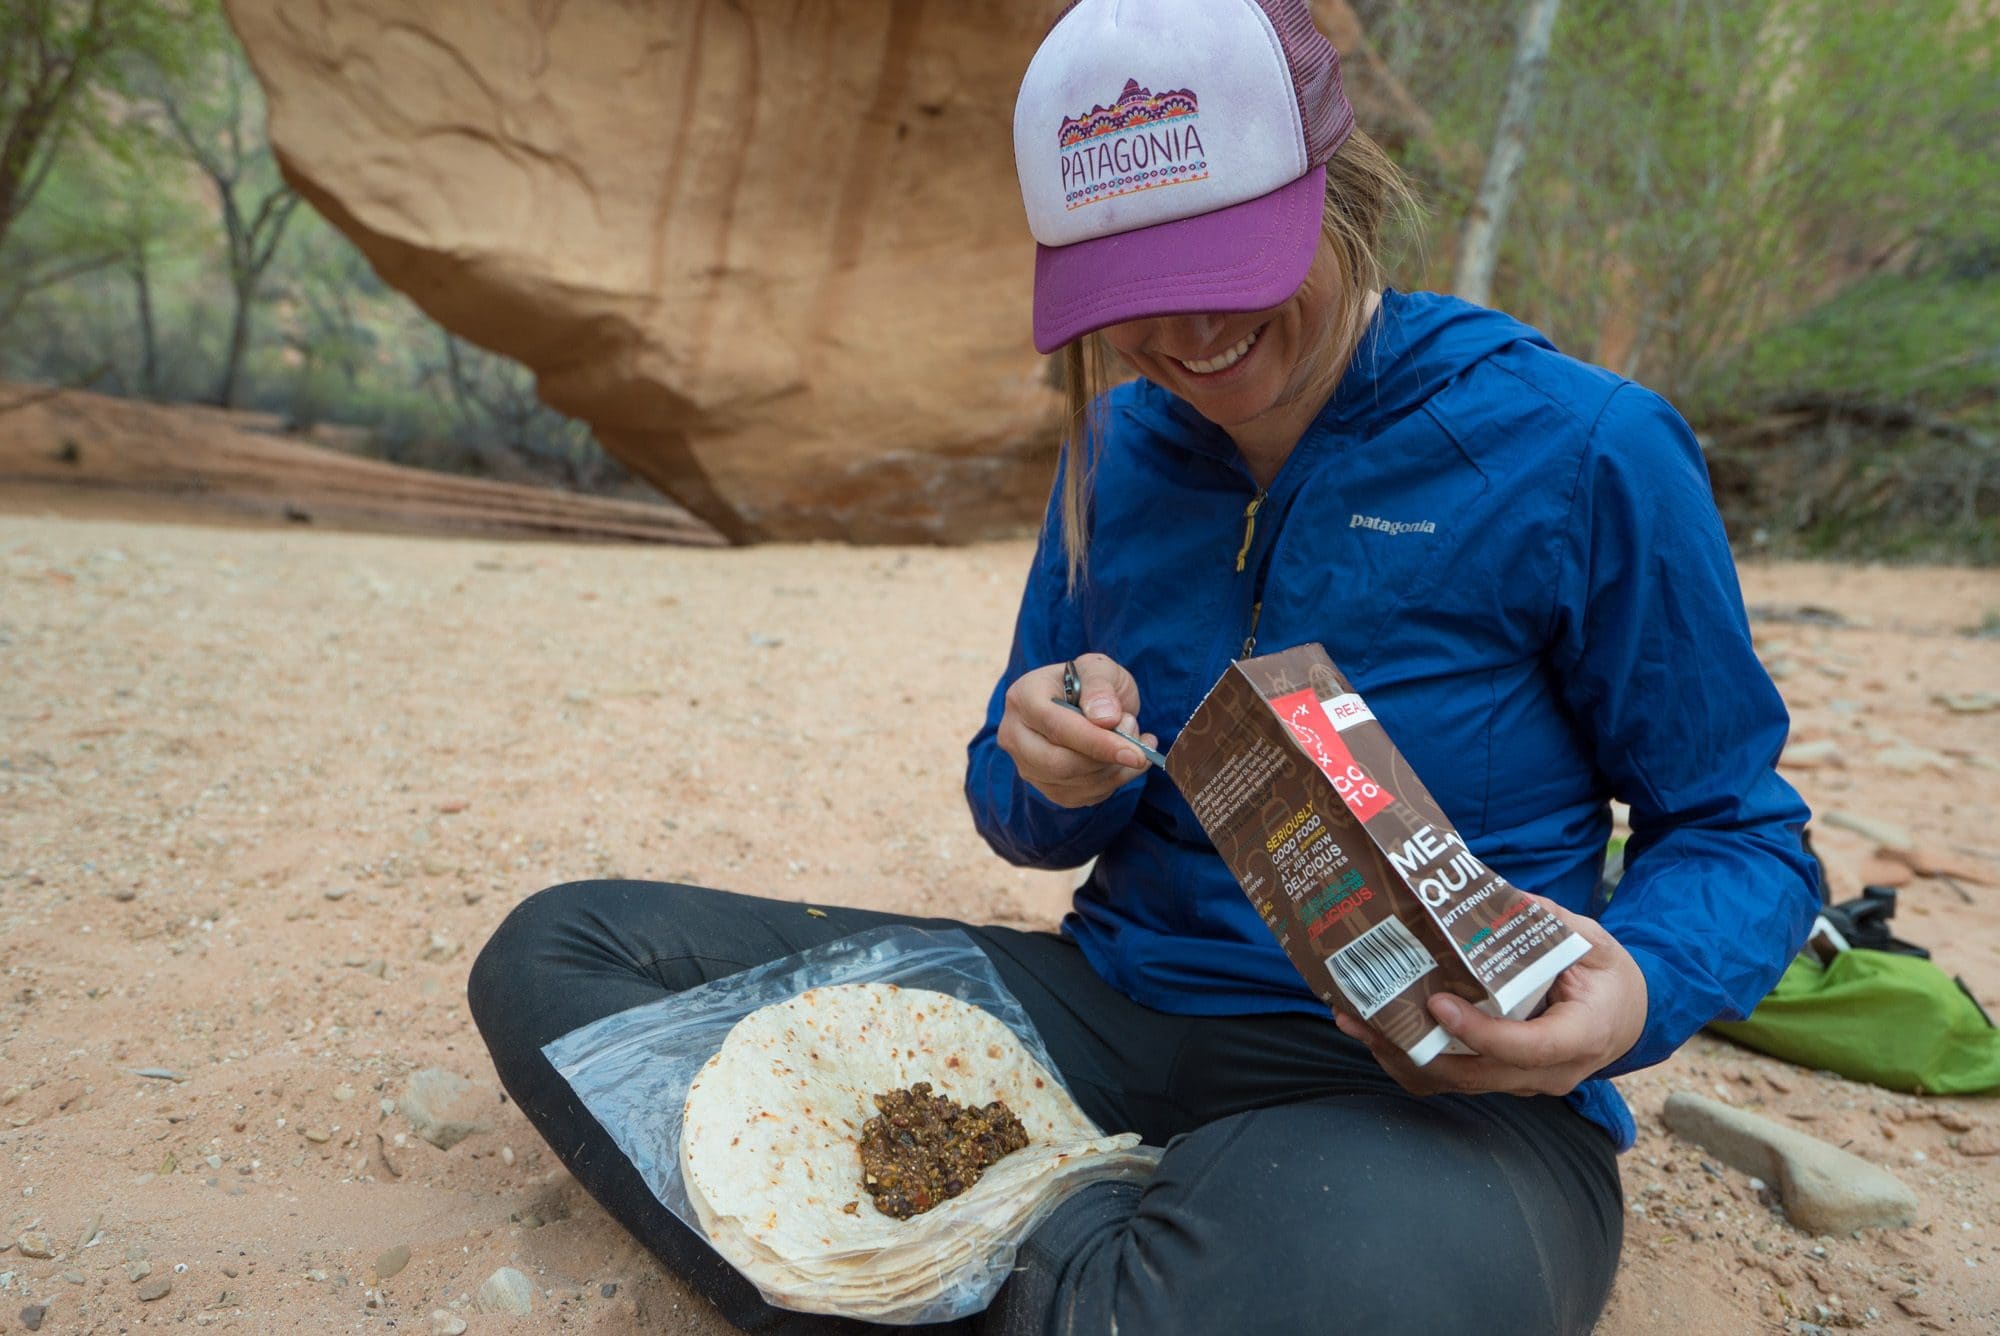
(1893, 1020)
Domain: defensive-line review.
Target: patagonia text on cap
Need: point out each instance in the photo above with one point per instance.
(1136, 112)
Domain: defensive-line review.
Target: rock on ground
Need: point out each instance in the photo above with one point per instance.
(507, 1291)
(443, 1107)
(391, 1263)
(1887, 834)
(1823, 1188)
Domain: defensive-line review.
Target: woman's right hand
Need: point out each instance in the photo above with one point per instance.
(1074, 760)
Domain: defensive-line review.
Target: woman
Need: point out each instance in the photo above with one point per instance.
(1515, 558)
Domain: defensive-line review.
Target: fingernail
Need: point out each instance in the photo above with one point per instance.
(1130, 759)
(1104, 710)
(1448, 1009)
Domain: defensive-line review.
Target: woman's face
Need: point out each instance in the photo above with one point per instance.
(1237, 368)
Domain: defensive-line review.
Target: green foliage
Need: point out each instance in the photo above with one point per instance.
(1869, 426)
(1703, 168)
(163, 248)
(1932, 337)
(1782, 213)
(66, 69)
(215, 119)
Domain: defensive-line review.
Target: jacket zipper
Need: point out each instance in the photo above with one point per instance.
(1242, 556)
(1249, 528)
(1263, 563)
(1246, 550)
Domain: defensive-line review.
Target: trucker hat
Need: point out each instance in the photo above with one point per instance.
(1172, 156)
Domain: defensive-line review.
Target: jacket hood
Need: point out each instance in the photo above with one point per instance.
(1417, 344)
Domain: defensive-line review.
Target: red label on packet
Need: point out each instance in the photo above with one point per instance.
(1302, 713)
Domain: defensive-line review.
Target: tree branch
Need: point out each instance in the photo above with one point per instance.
(211, 167)
(1480, 247)
(287, 200)
(26, 287)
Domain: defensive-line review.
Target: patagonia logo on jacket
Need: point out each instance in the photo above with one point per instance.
(1391, 527)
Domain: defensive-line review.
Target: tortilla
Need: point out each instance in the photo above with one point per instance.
(769, 1148)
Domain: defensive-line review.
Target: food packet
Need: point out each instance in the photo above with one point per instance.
(1350, 861)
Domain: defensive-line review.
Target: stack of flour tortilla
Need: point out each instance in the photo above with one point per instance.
(770, 1159)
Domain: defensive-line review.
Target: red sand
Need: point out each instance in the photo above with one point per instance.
(205, 730)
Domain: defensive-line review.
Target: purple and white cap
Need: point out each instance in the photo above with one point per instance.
(1172, 156)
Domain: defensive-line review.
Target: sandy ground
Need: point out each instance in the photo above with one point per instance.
(262, 794)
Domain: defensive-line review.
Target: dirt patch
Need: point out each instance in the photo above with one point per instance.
(262, 793)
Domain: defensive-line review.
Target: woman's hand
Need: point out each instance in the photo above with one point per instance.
(1597, 1007)
(1074, 760)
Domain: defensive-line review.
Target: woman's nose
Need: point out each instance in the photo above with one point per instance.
(1193, 333)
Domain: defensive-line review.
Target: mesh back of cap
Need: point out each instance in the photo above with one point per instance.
(1315, 66)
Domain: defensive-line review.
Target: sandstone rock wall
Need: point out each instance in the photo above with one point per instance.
(772, 252)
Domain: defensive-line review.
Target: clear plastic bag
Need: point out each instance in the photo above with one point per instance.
(633, 1071)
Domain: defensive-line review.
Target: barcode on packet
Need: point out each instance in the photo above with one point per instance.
(1379, 964)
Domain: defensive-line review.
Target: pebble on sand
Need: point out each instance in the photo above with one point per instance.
(1890, 872)
(156, 1288)
(1928, 861)
(443, 1107)
(159, 1073)
(392, 1262)
(446, 1324)
(1979, 1145)
(507, 1291)
(1884, 833)
(34, 1244)
(1810, 755)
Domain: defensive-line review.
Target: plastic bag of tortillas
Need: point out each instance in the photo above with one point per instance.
(741, 1103)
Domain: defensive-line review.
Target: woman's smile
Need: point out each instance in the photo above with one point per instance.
(1259, 375)
(1223, 361)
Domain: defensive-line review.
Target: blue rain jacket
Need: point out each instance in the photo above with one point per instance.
(1517, 560)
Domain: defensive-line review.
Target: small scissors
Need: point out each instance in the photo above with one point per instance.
(1072, 699)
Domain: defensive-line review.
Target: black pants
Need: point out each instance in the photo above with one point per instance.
(1301, 1191)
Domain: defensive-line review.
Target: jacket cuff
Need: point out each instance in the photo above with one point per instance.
(1036, 832)
(1658, 1039)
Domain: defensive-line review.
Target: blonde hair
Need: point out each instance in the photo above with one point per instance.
(1365, 193)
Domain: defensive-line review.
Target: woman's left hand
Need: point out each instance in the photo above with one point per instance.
(1597, 1007)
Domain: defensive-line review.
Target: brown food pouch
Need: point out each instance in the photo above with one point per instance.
(1350, 861)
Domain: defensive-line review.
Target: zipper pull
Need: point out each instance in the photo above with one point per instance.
(1250, 641)
(1249, 529)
